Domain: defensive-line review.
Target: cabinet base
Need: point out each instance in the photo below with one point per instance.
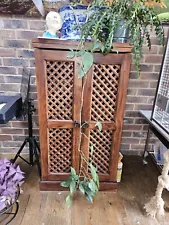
(55, 186)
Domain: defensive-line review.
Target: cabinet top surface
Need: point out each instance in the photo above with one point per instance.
(44, 43)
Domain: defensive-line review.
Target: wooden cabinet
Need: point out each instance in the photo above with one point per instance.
(61, 106)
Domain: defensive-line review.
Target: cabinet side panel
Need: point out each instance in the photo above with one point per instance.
(42, 109)
(121, 101)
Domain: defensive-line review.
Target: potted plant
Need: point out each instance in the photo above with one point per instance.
(102, 27)
(106, 18)
(11, 178)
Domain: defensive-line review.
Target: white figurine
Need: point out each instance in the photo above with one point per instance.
(53, 24)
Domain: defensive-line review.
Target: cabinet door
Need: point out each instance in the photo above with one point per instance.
(104, 101)
(59, 95)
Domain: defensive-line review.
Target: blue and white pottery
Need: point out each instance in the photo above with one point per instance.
(71, 17)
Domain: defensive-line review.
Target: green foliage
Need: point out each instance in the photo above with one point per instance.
(99, 125)
(88, 187)
(164, 17)
(102, 24)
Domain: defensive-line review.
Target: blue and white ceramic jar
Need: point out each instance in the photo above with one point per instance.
(72, 16)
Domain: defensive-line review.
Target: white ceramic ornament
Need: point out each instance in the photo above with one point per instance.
(53, 24)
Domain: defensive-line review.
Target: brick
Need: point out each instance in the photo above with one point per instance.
(136, 99)
(132, 127)
(149, 76)
(131, 114)
(146, 92)
(26, 53)
(16, 43)
(130, 141)
(157, 68)
(129, 106)
(5, 137)
(35, 131)
(7, 70)
(128, 120)
(2, 79)
(140, 146)
(153, 59)
(18, 138)
(133, 75)
(13, 79)
(33, 88)
(4, 52)
(143, 68)
(140, 121)
(154, 41)
(131, 91)
(12, 143)
(32, 71)
(7, 34)
(161, 50)
(19, 124)
(140, 134)
(126, 134)
(11, 131)
(124, 146)
(32, 63)
(143, 107)
(10, 88)
(150, 100)
(153, 84)
(15, 24)
(138, 84)
(9, 150)
(28, 35)
(36, 25)
(15, 62)
(153, 50)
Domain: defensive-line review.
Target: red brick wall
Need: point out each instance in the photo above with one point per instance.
(15, 50)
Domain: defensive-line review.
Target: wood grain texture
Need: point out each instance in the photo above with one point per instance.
(62, 110)
(124, 207)
(45, 43)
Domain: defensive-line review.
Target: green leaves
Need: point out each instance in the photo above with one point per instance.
(99, 125)
(66, 183)
(92, 149)
(73, 172)
(81, 188)
(71, 54)
(72, 187)
(87, 61)
(94, 174)
(68, 201)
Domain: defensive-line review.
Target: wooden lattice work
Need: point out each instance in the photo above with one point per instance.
(104, 95)
(60, 89)
(102, 142)
(60, 150)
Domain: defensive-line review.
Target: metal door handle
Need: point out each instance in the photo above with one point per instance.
(76, 123)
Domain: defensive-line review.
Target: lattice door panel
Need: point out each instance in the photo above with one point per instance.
(60, 150)
(60, 89)
(100, 157)
(104, 95)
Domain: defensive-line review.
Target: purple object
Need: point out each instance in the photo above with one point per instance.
(11, 177)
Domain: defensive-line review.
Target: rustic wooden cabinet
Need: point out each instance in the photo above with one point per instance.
(60, 107)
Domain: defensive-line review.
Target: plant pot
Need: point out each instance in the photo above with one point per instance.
(122, 32)
(10, 211)
(72, 17)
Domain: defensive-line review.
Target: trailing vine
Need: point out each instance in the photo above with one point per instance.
(139, 18)
(87, 181)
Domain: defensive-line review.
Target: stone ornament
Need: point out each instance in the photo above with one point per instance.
(155, 207)
(53, 24)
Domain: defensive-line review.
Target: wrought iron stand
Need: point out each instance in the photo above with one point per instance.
(34, 149)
